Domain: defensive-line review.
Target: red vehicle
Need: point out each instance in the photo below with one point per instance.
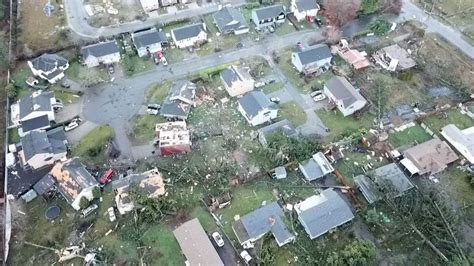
(159, 54)
(106, 177)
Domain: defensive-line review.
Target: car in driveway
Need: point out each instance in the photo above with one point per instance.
(111, 214)
(317, 95)
(275, 100)
(245, 256)
(73, 124)
(218, 239)
(153, 109)
(89, 210)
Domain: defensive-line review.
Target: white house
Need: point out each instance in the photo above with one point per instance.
(342, 94)
(150, 5)
(37, 104)
(49, 67)
(149, 41)
(268, 16)
(257, 108)
(237, 80)
(304, 9)
(40, 148)
(73, 181)
(190, 35)
(230, 20)
(316, 167)
(461, 140)
(313, 59)
(101, 53)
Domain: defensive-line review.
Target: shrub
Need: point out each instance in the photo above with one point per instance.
(96, 193)
(84, 203)
(380, 27)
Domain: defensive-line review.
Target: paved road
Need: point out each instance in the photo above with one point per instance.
(77, 19)
(411, 11)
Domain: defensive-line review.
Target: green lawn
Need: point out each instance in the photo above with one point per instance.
(293, 112)
(143, 130)
(284, 28)
(85, 75)
(174, 55)
(157, 93)
(132, 64)
(409, 136)
(165, 249)
(222, 42)
(91, 148)
(341, 126)
(13, 136)
(437, 122)
(458, 186)
(66, 96)
(275, 86)
(348, 169)
(22, 72)
(205, 218)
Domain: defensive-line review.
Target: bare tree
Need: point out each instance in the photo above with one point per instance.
(339, 12)
(332, 33)
(392, 6)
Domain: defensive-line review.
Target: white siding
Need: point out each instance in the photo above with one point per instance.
(39, 160)
(261, 118)
(92, 61)
(84, 193)
(190, 41)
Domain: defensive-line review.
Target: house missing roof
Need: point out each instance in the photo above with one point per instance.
(268, 218)
(394, 58)
(461, 140)
(73, 181)
(388, 179)
(320, 213)
(316, 167)
(237, 80)
(173, 138)
(430, 157)
(196, 245)
(358, 60)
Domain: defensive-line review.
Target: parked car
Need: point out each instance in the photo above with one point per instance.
(164, 61)
(58, 104)
(259, 84)
(275, 100)
(156, 60)
(73, 124)
(89, 210)
(246, 256)
(153, 109)
(65, 84)
(218, 239)
(106, 177)
(318, 95)
(111, 214)
(111, 69)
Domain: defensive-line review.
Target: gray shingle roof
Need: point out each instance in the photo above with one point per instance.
(254, 102)
(392, 176)
(144, 39)
(57, 138)
(284, 126)
(305, 5)
(313, 169)
(48, 62)
(269, 12)
(229, 19)
(343, 90)
(35, 123)
(35, 102)
(321, 213)
(44, 184)
(229, 76)
(269, 217)
(189, 31)
(100, 49)
(314, 53)
(35, 142)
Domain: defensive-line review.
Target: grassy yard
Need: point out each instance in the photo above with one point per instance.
(216, 40)
(143, 130)
(341, 126)
(132, 64)
(157, 93)
(348, 169)
(273, 87)
(13, 136)
(437, 122)
(66, 96)
(91, 148)
(285, 28)
(457, 184)
(295, 78)
(409, 136)
(293, 112)
(87, 76)
(22, 72)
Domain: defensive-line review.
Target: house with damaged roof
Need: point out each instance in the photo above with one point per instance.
(268, 218)
(284, 127)
(190, 35)
(179, 101)
(344, 96)
(257, 108)
(49, 67)
(149, 41)
(37, 104)
(269, 16)
(313, 59)
(101, 53)
(73, 181)
(40, 148)
(173, 138)
(237, 80)
(316, 167)
(304, 9)
(230, 20)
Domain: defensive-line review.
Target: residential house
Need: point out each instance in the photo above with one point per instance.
(101, 53)
(173, 138)
(149, 182)
(388, 180)
(49, 67)
(37, 104)
(188, 36)
(430, 157)
(461, 140)
(45, 184)
(150, 5)
(358, 60)
(267, 218)
(196, 245)
(74, 181)
(314, 59)
(320, 213)
(316, 167)
(149, 41)
(237, 80)
(40, 148)
(394, 58)
(37, 123)
(165, 3)
(179, 100)
(257, 108)
(230, 20)
(344, 96)
(284, 126)
(268, 16)
(304, 9)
